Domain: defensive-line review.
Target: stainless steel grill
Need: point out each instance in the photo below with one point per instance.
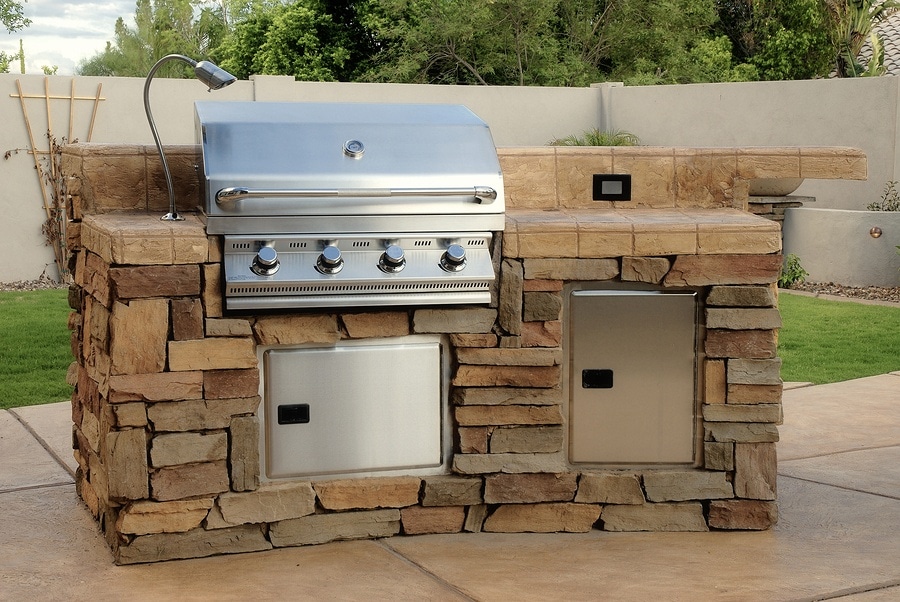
(353, 204)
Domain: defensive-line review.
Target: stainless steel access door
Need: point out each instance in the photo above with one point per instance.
(353, 408)
(632, 358)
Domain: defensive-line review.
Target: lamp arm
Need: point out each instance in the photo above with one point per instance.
(172, 215)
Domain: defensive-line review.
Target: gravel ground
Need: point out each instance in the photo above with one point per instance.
(32, 285)
(870, 293)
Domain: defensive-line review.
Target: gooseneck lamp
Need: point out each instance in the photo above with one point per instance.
(208, 73)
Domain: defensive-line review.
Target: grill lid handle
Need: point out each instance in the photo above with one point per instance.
(484, 195)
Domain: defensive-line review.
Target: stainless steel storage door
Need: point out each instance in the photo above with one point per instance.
(352, 408)
(632, 358)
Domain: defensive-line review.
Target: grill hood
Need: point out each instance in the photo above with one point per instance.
(282, 168)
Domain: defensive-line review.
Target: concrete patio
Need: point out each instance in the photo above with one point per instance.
(838, 535)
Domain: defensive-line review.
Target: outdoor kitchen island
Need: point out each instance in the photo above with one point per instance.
(166, 408)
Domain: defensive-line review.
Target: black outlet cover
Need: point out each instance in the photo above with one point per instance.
(612, 187)
(596, 379)
(297, 413)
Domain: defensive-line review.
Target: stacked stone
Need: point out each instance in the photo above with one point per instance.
(773, 207)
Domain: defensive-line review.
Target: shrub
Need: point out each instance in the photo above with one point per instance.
(890, 199)
(594, 137)
(791, 272)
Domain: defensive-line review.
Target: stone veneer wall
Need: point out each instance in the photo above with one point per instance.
(166, 385)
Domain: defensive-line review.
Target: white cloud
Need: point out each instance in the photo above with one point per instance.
(64, 33)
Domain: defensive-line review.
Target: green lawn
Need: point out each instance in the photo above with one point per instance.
(34, 347)
(830, 341)
(821, 342)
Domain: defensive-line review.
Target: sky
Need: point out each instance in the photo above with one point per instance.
(63, 33)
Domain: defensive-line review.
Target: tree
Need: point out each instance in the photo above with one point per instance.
(161, 27)
(854, 22)
(12, 15)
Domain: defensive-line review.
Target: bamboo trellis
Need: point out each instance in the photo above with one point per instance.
(49, 179)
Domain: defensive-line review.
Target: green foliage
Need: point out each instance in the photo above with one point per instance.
(34, 347)
(791, 272)
(830, 341)
(12, 15)
(594, 137)
(853, 24)
(890, 199)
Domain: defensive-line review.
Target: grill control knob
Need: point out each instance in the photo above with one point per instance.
(330, 260)
(266, 262)
(454, 258)
(392, 260)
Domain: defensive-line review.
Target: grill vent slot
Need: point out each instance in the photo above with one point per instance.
(354, 288)
(240, 245)
(422, 243)
(478, 242)
(297, 245)
(360, 243)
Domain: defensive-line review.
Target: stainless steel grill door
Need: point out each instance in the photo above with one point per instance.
(352, 408)
(632, 358)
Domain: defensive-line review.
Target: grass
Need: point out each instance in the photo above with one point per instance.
(830, 341)
(34, 347)
(821, 342)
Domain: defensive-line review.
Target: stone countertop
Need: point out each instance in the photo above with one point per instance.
(143, 239)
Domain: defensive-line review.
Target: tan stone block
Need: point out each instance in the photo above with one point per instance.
(114, 181)
(322, 528)
(196, 543)
(529, 176)
(155, 281)
(94, 276)
(613, 237)
(507, 415)
(743, 318)
(125, 459)
(216, 253)
(754, 344)
(556, 243)
(542, 334)
(571, 269)
(129, 415)
(543, 285)
(737, 432)
(389, 492)
(541, 306)
(754, 371)
(161, 386)
(488, 396)
(492, 376)
(199, 414)
(509, 307)
(224, 384)
(228, 327)
(417, 520)
(543, 518)
(652, 174)
(473, 440)
(212, 354)
(610, 488)
(212, 291)
(475, 518)
(473, 340)
(172, 449)
(509, 357)
(271, 502)
(90, 429)
(743, 514)
(527, 440)
(144, 517)
(682, 485)
(664, 239)
(769, 162)
(755, 471)
(187, 319)
(376, 324)
(138, 333)
(713, 239)
(530, 488)
(490, 463)
(189, 480)
(743, 413)
(718, 456)
(704, 270)
(755, 393)
(741, 296)
(470, 320)
(452, 491)
(686, 516)
(296, 329)
(575, 169)
(714, 381)
(836, 162)
(645, 269)
(693, 178)
(243, 458)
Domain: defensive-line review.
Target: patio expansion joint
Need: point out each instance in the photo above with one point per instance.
(853, 489)
(406, 560)
(33, 487)
(853, 591)
(40, 440)
(838, 452)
